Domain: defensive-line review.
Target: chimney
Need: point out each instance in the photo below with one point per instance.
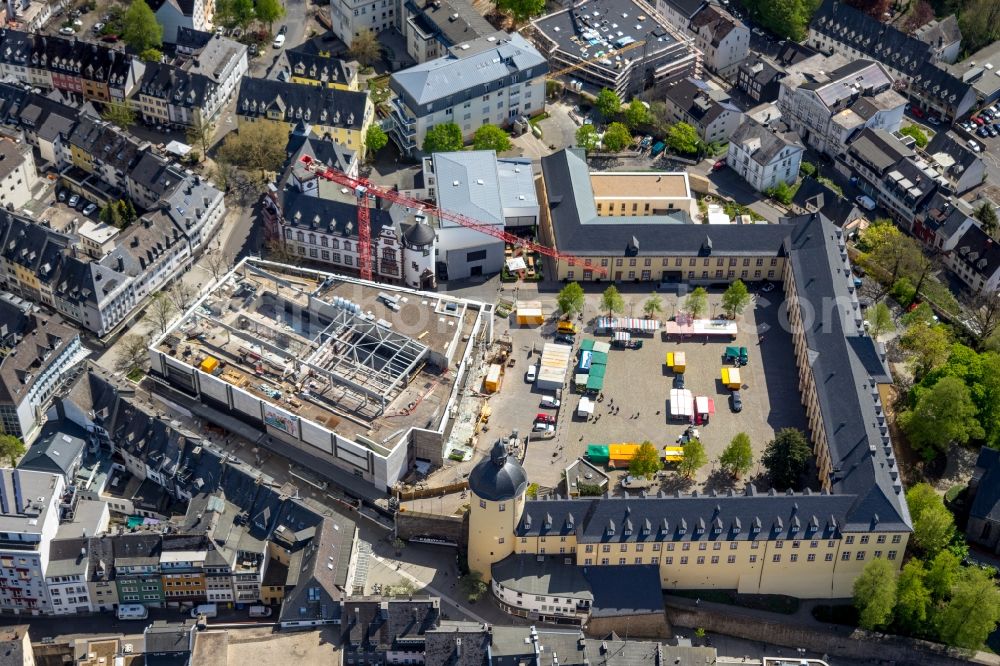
(18, 499)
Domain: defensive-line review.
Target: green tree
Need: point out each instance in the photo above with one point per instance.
(971, 614)
(789, 18)
(646, 462)
(807, 169)
(653, 306)
(472, 586)
(636, 114)
(234, 13)
(375, 139)
(269, 11)
(979, 21)
(786, 457)
(913, 599)
(612, 301)
(200, 133)
(875, 594)
(683, 139)
(987, 216)
(11, 448)
(491, 137)
(586, 137)
(616, 138)
(443, 138)
(943, 414)
(142, 31)
(933, 524)
(782, 192)
(918, 135)
(570, 299)
(928, 344)
(694, 458)
(365, 48)
(521, 10)
(942, 574)
(257, 147)
(151, 55)
(696, 302)
(119, 113)
(879, 320)
(608, 103)
(735, 298)
(737, 458)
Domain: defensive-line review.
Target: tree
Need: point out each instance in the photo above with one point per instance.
(943, 414)
(160, 311)
(875, 594)
(182, 295)
(608, 103)
(269, 11)
(119, 213)
(279, 252)
(737, 458)
(151, 55)
(971, 614)
(913, 599)
(586, 137)
(378, 91)
(365, 48)
(11, 448)
(646, 462)
(612, 301)
(491, 137)
(636, 114)
(256, 147)
(234, 13)
(697, 302)
(652, 306)
(616, 138)
(119, 113)
(933, 524)
(443, 138)
(735, 298)
(789, 18)
(216, 261)
(984, 315)
(928, 345)
(141, 29)
(200, 132)
(979, 21)
(683, 139)
(375, 139)
(570, 299)
(987, 216)
(694, 458)
(133, 352)
(782, 192)
(918, 135)
(786, 457)
(942, 574)
(472, 586)
(879, 320)
(521, 10)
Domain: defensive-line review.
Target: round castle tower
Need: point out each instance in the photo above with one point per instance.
(418, 256)
(498, 484)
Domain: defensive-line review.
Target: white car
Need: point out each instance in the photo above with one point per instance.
(550, 402)
(98, 27)
(531, 374)
(74, 200)
(66, 30)
(544, 428)
(279, 41)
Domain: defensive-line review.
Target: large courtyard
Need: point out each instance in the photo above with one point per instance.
(636, 393)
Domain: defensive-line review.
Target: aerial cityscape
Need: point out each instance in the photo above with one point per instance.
(500, 332)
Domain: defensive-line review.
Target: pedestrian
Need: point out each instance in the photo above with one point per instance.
(658, 412)
(637, 415)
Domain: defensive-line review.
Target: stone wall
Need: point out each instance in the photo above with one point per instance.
(649, 625)
(833, 640)
(411, 524)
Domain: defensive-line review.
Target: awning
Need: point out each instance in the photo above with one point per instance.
(621, 336)
(516, 264)
(704, 405)
(628, 324)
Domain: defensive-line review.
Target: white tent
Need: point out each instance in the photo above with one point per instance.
(681, 404)
(586, 407)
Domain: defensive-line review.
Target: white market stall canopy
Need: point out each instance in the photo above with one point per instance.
(628, 324)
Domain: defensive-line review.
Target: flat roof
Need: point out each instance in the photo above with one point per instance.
(598, 28)
(630, 185)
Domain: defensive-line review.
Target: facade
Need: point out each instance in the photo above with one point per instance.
(314, 69)
(431, 27)
(170, 96)
(349, 17)
(173, 15)
(759, 79)
(764, 156)
(489, 80)
(723, 39)
(17, 174)
(827, 100)
(941, 224)
(66, 577)
(940, 93)
(341, 115)
(976, 261)
(704, 107)
(222, 60)
(961, 167)
(601, 58)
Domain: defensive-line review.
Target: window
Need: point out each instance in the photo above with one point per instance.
(503, 507)
(621, 560)
(478, 255)
(878, 553)
(606, 548)
(794, 557)
(753, 559)
(702, 546)
(624, 548)
(880, 538)
(811, 557)
(849, 540)
(779, 544)
(828, 557)
(686, 546)
(731, 559)
(860, 555)
(776, 557)
(701, 559)
(670, 547)
(864, 538)
(684, 560)
(896, 538)
(845, 556)
(715, 559)
(892, 554)
(669, 560)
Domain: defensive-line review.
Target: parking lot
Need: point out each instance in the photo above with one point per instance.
(637, 383)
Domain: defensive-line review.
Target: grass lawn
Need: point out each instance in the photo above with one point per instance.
(136, 375)
(774, 603)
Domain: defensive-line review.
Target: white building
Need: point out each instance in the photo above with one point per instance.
(705, 107)
(350, 17)
(976, 261)
(723, 39)
(17, 174)
(66, 577)
(173, 15)
(486, 81)
(763, 156)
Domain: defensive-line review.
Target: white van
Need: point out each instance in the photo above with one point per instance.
(132, 612)
(260, 611)
(208, 610)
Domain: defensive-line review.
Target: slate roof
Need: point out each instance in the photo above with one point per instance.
(944, 215)
(702, 103)
(718, 21)
(463, 73)
(761, 70)
(498, 477)
(156, 174)
(176, 86)
(456, 643)
(319, 573)
(451, 21)
(313, 66)
(299, 101)
(325, 150)
(105, 142)
(958, 151)
(979, 252)
(57, 449)
(986, 503)
(306, 212)
(814, 196)
(946, 88)
(67, 557)
(33, 355)
(32, 246)
(878, 149)
(686, 7)
(771, 142)
(939, 33)
(549, 577)
(393, 624)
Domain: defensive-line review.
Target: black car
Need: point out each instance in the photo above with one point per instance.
(564, 339)
(283, 29)
(737, 401)
(678, 381)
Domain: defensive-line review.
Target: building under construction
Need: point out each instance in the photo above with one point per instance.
(358, 374)
(623, 45)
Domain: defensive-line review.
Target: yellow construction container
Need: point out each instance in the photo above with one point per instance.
(209, 365)
(731, 378)
(529, 313)
(673, 453)
(677, 361)
(493, 378)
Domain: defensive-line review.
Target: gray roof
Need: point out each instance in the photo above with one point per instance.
(451, 21)
(686, 7)
(844, 84)
(456, 643)
(517, 179)
(939, 33)
(468, 67)
(986, 503)
(814, 196)
(303, 64)
(57, 449)
(163, 636)
(531, 575)
(703, 103)
(468, 183)
(299, 101)
(498, 477)
(67, 557)
(771, 141)
(34, 486)
(879, 149)
(979, 252)
(319, 572)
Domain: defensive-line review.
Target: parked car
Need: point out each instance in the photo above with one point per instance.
(541, 417)
(991, 131)
(532, 374)
(916, 112)
(111, 39)
(282, 30)
(564, 339)
(254, 50)
(260, 611)
(279, 41)
(62, 195)
(74, 200)
(636, 482)
(737, 401)
(89, 210)
(718, 166)
(97, 26)
(678, 381)
(767, 287)
(66, 30)
(550, 402)
(865, 202)
(977, 120)
(934, 120)
(545, 428)
(973, 145)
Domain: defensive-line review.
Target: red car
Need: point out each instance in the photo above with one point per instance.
(978, 120)
(916, 112)
(544, 418)
(721, 164)
(109, 38)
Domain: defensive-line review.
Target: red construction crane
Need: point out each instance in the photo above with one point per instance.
(363, 188)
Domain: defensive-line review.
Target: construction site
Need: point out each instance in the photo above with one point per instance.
(365, 375)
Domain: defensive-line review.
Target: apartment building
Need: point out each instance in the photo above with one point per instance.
(182, 566)
(174, 15)
(705, 107)
(942, 222)
(491, 80)
(960, 166)
(342, 115)
(101, 157)
(66, 577)
(431, 27)
(723, 39)
(137, 569)
(826, 100)
(18, 176)
(349, 17)
(44, 123)
(764, 156)
(976, 261)
(314, 69)
(38, 352)
(170, 96)
(940, 93)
